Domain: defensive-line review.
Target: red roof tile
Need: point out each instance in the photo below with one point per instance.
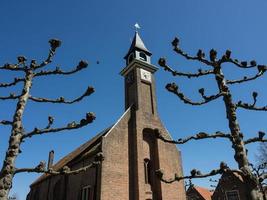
(204, 192)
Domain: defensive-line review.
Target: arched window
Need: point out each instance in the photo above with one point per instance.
(130, 58)
(147, 170)
(142, 56)
(87, 193)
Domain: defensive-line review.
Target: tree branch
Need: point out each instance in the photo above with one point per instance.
(16, 80)
(5, 122)
(172, 87)
(200, 55)
(11, 96)
(162, 63)
(260, 138)
(54, 44)
(41, 168)
(199, 136)
(243, 64)
(58, 71)
(88, 92)
(12, 67)
(245, 79)
(195, 174)
(73, 125)
(247, 106)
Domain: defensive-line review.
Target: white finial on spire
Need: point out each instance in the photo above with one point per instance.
(136, 27)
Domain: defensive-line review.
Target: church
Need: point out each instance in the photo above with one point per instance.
(131, 152)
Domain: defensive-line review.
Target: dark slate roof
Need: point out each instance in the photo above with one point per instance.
(71, 156)
(137, 43)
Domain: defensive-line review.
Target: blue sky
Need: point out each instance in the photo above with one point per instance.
(102, 30)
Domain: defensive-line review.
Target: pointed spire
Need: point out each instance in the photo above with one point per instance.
(138, 44)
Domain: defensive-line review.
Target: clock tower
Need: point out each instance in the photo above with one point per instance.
(146, 153)
(139, 78)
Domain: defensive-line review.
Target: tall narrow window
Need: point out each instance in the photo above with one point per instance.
(147, 168)
(87, 193)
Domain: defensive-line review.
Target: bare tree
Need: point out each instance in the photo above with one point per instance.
(262, 154)
(259, 171)
(30, 71)
(235, 135)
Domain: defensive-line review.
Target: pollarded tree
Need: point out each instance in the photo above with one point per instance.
(18, 135)
(235, 135)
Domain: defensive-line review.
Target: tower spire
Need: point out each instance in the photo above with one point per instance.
(137, 48)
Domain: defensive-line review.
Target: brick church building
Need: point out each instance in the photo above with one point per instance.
(130, 149)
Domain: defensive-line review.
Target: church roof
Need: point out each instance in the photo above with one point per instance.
(137, 43)
(71, 156)
(86, 147)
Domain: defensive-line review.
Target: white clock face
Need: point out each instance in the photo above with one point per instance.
(145, 75)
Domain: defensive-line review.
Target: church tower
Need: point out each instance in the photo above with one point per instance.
(139, 78)
(147, 154)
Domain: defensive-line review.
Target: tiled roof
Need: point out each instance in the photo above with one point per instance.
(204, 192)
(71, 156)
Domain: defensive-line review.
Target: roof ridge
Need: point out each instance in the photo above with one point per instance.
(72, 155)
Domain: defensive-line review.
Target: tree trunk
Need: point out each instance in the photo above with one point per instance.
(237, 137)
(8, 168)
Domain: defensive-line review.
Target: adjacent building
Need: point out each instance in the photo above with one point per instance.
(231, 186)
(198, 193)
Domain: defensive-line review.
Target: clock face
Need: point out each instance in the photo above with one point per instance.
(145, 75)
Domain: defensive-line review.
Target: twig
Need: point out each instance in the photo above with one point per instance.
(199, 136)
(11, 96)
(54, 44)
(16, 80)
(194, 174)
(247, 106)
(260, 138)
(88, 92)
(58, 71)
(243, 64)
(162, 63)
(12, 67)
(41, 168)
(172, 87)
(5, 122)
(175, 44)
(245, 79)
(73, 125)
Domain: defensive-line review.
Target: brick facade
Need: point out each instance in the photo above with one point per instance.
(231, 183)
(130, 149)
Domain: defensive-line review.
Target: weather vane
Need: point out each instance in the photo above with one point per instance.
(136, 27)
